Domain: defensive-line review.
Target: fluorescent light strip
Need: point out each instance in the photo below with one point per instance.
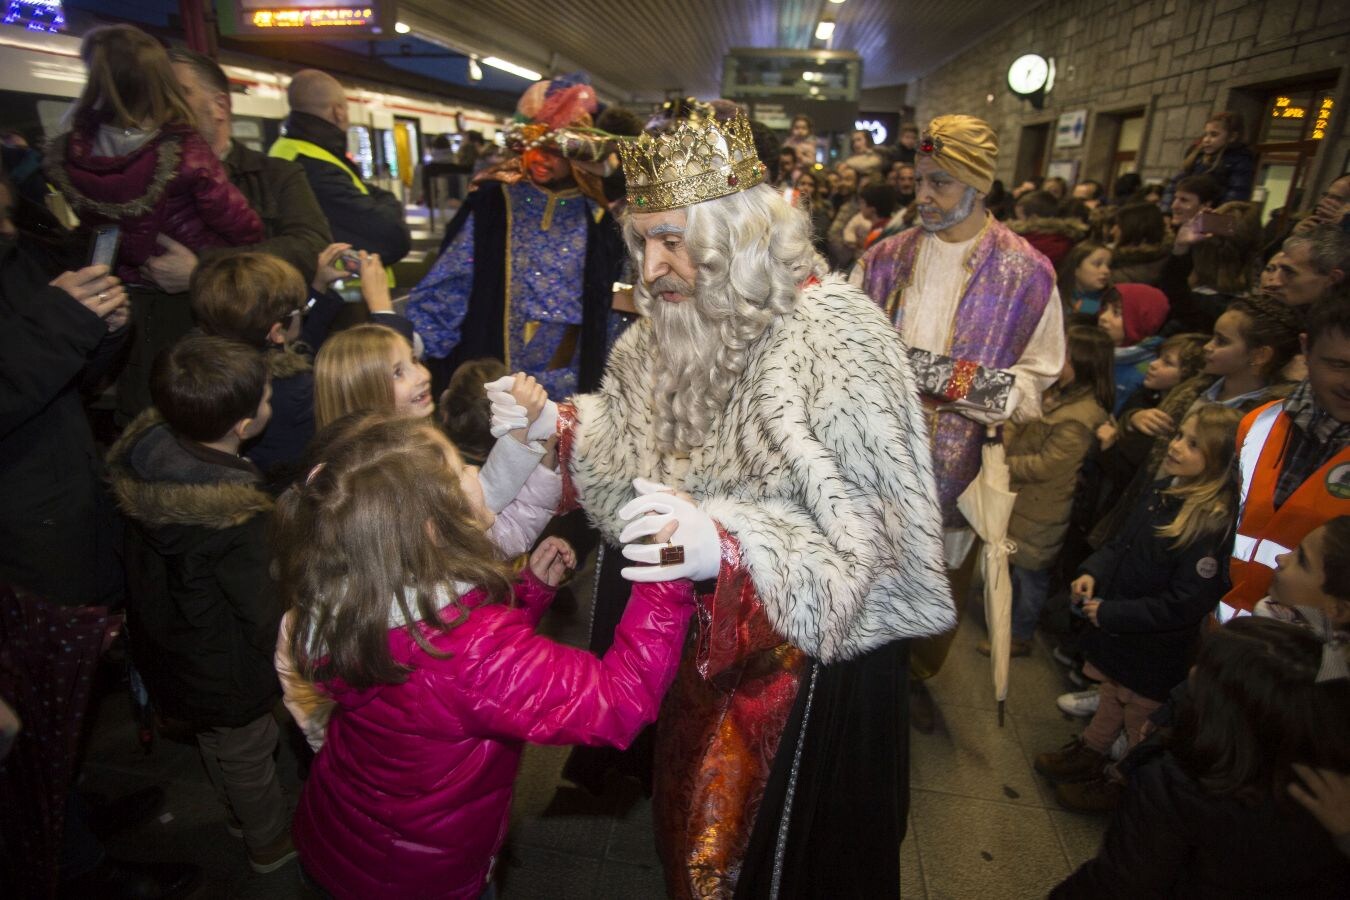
(498, 63)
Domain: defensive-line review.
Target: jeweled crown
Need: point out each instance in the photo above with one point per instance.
(697, 161)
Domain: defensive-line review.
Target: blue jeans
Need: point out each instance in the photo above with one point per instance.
(1029, 589)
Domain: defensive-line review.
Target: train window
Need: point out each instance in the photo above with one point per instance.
(361, 149)
(248, 132)
(389, 145)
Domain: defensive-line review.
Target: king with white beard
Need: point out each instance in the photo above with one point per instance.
(767, 411)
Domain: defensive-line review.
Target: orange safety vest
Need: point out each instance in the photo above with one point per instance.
(1264, 533)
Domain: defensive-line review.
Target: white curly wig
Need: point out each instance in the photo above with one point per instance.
(752, 249)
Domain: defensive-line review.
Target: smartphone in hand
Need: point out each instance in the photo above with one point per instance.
(1209, 222)
(349, 261)
(103, 245)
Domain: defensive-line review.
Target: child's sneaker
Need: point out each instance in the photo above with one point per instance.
(1082, 704)
(273, 856)
(1075, 761)
(1099, 795)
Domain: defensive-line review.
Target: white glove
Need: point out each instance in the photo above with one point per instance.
(507, 414)
(544, 427)
(696, 533)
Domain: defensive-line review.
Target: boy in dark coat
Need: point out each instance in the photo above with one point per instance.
(203, 613)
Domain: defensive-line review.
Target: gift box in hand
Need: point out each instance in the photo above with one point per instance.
(960, 382)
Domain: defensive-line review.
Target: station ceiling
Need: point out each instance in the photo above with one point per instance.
(646, 49)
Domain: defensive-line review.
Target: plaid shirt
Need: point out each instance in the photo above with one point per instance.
(1315, 438)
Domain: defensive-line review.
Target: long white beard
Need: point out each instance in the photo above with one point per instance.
(691, 381)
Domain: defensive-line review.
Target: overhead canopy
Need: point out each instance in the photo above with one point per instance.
(644, 49)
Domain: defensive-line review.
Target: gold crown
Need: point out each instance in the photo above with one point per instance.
(699, 160)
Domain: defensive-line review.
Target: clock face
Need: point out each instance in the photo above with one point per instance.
(1028, 74)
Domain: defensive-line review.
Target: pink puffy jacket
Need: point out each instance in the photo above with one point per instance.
(172, 184)
(411, 794)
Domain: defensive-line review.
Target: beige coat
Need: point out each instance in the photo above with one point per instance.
(1044, 458)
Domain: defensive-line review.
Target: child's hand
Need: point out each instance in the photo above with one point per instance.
(550, 460)
(327, 272)
(375, 284)
(529, 394)
(1089, 608)
(1326, 796)
(1083, 586)
(1153, 422)
(551, 560)
(1106, 435)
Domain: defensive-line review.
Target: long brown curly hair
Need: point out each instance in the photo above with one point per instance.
(379, 525)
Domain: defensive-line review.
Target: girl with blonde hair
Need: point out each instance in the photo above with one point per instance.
(1146, 592)
(369, 368)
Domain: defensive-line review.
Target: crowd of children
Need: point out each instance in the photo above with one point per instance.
(304, 521)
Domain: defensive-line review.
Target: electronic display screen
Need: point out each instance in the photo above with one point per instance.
(35, 15)
(289, 19)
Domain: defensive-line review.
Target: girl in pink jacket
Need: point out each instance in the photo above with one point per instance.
(407, 620)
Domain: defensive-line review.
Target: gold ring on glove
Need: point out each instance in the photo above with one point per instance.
(672, 554)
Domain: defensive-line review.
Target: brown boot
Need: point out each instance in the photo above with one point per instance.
(1101, 794)
(1075, 761)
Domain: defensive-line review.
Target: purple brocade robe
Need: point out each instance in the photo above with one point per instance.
(1006, 290)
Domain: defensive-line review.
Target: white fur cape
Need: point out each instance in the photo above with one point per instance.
(819, 466)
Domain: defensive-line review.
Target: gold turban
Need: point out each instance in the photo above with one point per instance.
(964, 147)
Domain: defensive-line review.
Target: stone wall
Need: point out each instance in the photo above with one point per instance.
(1177, 60)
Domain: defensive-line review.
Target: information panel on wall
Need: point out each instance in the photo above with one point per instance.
(292, 19)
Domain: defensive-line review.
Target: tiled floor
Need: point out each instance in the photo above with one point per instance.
(982, 823)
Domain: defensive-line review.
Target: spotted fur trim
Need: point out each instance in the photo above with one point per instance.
(168, 152)
(820, 467)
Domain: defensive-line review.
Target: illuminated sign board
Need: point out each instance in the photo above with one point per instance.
(1285, 108)
(289, 19)
(1323, 118)
(873, 127)
(35, 15)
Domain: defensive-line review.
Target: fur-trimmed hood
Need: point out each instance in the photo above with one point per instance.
(284, 362)
(1135, 254)
(1072, 229)
(159, 481)
(115, 187)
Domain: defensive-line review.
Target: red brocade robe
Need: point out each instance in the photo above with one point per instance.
(819, 480)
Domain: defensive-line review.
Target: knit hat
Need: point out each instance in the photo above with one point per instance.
(964, 147)
(1143, 309)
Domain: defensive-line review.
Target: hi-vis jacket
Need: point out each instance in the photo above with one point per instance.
(1264, 532)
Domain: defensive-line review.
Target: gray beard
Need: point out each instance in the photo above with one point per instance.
(955, 217)
(689, 378)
